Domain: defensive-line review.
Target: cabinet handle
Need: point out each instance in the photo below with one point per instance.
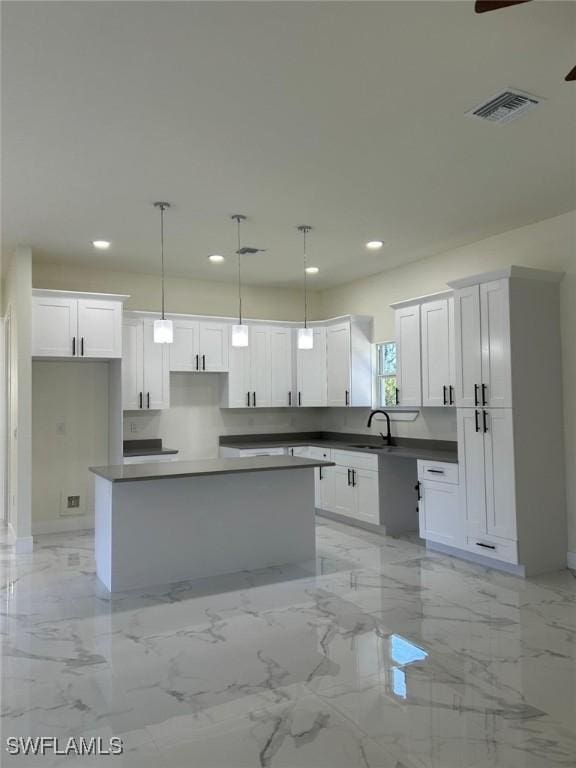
(299, 398)
(254, 399)
(347, 398)
(74, 346)
(140, 399)
(451, 391)
(291, 451)
(248, 399)
(476, 421)
(397, 396)
(82, 346)
(486, 546)
(289, 398)
(320, 473)
(444, 393)
(148, 399)
(436, 471)
(197, 362)
(417, 489)
(484, 400)
(203, 362)
(476, 394)
(485, 420)
(353, 478)
(349, 477)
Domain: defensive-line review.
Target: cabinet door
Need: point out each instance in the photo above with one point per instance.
(495, 325)
(132, 365)
(435, 353)
(365, 483)
(214, 347)
(239, 395)
(467, 346)
(156, 370)
(100, 328)
(260, 373)
(281, 367)
(409, 375)
(325, 490)
(184, 350)
(54, 327)
(440, 518)
(500, 475)
(338, 365)
(344, 494)
(471, 469)
(311, 365)
(451, 352)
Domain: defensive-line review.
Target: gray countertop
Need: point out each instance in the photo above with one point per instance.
(123, 473)
(148, 447)
(405, 448)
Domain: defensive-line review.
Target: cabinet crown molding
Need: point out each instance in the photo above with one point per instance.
(422, 299)
(524, 273)
(51, 293)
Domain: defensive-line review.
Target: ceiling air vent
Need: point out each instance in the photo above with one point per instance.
(505, 106)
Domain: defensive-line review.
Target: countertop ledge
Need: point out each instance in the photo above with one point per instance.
(124, 473)
(403, 447)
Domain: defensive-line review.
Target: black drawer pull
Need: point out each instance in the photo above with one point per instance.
(444, 395)
(320, 473)
(485, 420)
(486, 546)
(197, 362)
(203, 362)
(451, 391)
(436, 471)
(254, 399)
(476, 421)
(289, 398)
(349, 483)
(417, 489)
(74, 346)
(148, 399)
(484, 388)
(476, 388)
(299, 398)
(82, 346)
(347, 398)
(140, 399)
(248, 399)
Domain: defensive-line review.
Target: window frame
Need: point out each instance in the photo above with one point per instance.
(382, 377)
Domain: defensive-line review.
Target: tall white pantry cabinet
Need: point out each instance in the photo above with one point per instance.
(509, 416)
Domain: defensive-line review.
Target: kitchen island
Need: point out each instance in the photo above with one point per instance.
(159, 523)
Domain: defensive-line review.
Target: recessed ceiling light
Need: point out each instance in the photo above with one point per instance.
(374, 245)
(215, 257)
(312, 270)
(102, 244)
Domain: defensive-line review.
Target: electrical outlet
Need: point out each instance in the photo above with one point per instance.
(71, 504)
(133, 426)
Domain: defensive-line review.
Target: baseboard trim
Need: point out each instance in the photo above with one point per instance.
(473, 557)
(63, 525)
(23, 545)
(352, 521)
(571, 560)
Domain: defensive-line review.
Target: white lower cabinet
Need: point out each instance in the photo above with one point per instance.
(355, 486)
(439, 503)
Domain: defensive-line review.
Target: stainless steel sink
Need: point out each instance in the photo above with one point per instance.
(371, 447)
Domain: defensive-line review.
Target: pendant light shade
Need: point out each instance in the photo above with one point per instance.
(163, 330)
(305, 335)
(239, 331)
(305, 338)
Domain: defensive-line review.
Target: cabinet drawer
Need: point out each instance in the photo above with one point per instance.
(439, 471)
(355, 459)
(490, 547)
(320, 453)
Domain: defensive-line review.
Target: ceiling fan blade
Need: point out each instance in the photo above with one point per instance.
(571, 76)
(483, 6)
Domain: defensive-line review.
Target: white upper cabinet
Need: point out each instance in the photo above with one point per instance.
(54, 327)
(199, 346)
(338, 364)
(145, 368)
(482, 332)
(408, 357)
(260, 369)
(311, 372)
(281, 384)
(236, 390)
(437, 327)
(78, 326)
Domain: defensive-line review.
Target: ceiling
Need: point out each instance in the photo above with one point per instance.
(348, 116)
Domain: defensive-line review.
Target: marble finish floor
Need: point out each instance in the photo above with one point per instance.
(378, 656)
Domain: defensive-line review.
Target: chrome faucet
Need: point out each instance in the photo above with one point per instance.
(388, 437)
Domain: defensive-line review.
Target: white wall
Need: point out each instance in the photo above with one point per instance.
(549, 244)
(69, 434)
(17, 304)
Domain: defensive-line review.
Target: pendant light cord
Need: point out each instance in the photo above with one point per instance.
(305, 284)
(238, 220)
(162, 252)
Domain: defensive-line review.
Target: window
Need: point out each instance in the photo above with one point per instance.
(386, 355)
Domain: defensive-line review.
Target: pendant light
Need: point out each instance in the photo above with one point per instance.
(305, 335)
(239, 331)
(163, 330)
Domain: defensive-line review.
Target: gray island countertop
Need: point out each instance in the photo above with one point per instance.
(123, 473)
